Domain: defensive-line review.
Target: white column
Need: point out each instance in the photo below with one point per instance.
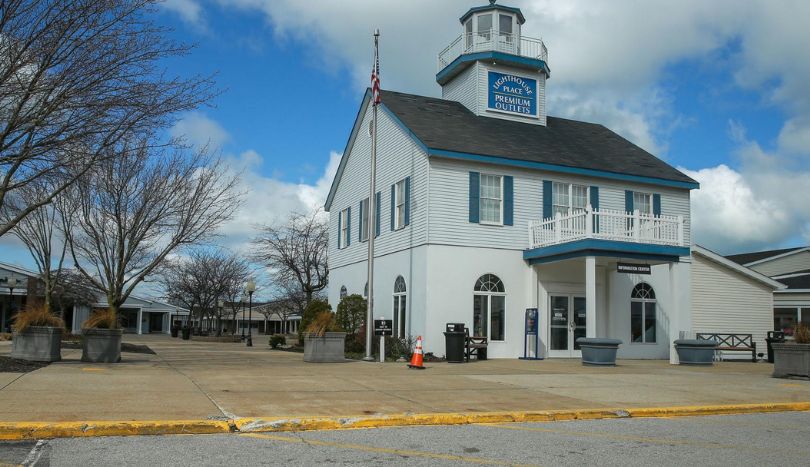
(680, 307)
(590, 296)
(140, 320)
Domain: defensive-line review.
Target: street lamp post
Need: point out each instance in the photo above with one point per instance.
(250, 288)
(11, 283)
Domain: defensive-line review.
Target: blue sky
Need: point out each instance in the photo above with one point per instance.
(715, 88)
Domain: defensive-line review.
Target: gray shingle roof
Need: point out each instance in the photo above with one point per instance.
(448, 125)
(746, 258)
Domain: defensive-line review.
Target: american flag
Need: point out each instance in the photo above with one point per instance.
(375, 72)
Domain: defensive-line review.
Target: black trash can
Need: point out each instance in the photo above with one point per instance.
(454, 342)
(774, 337)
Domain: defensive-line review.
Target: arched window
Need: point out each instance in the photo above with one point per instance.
(642, 314)
(400, 293)
(343, 292)
(489, 308)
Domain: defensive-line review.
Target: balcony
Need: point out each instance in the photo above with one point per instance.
(492, 41)
(609, 226)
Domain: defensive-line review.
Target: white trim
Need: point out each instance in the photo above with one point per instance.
(792, 274)
(723, 261)
(781, 255)
(792, 291)
(19, 270)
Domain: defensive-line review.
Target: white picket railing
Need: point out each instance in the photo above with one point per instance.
(487, 41)
(607, 224)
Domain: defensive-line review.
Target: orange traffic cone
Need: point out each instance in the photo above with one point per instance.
(416, 360)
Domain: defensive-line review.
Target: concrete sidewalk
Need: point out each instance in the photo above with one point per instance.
(191, 380)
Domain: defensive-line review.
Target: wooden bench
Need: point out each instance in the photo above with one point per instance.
(475, 346)
(732, 342)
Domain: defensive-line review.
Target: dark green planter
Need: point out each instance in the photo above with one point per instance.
(186, 332)
(101, 345)
(599, 351)
(695, 351)
(38, 344)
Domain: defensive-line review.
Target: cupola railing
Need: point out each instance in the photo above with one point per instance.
(492, 41)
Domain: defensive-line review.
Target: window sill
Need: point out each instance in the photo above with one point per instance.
(492, 224)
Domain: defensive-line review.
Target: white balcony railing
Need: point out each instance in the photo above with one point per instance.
(491, 40)
(606, 224)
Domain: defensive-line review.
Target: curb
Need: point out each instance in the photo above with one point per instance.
(47, 430)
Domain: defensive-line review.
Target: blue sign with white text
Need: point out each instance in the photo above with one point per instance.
(512, 94)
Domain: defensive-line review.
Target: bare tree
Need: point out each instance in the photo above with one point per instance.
(203, 279)
(76, 77)
(296, 252)
(37, 232)
(138, 207)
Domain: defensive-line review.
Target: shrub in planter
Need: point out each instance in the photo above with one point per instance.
(315, 307)
(101, 338)
(277, 341)
(37, 335)
(793, 358)
(324, 341)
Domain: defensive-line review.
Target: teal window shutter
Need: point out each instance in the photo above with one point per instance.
(508, 200)
(340, 227)
(360, 222)
(348, 226)
(628, 201)
(393, 207)
(407, 200)
(657, 204)
(475, 193)
(547, 198)
(594, 197)
(377, 203)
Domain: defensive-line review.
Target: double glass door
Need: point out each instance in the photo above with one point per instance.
(566, 323)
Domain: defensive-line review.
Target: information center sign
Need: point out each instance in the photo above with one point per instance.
(512, 94)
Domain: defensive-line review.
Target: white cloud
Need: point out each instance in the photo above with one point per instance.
(199, 130)
(269, 200)
(189, 11)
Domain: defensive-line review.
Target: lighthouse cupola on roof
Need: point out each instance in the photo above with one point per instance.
(493, 69)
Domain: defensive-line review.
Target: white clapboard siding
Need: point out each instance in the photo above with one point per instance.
(726, 301)
(791, 263)
(463, 88)
(398, 156)
(449, 204)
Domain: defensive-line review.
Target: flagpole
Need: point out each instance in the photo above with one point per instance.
(372, 201)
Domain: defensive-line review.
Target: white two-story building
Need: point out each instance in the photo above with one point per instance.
(487, 206)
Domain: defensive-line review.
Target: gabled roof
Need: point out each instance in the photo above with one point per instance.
(18, 269)
(445, 125)
(446, 128)
(795, 281)
(723, 261)
(756, 256)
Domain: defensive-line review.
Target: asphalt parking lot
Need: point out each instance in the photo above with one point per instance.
(760, 439)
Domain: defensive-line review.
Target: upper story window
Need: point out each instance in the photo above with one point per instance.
(399, 205)
(364, 220)
(505, 27)
(491, 199)
(643, 203)
(343, 228)
(485, 26)
(568, 198)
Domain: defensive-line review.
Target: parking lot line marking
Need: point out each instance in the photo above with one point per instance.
(639, 439)
(93, 369)
(378, 450)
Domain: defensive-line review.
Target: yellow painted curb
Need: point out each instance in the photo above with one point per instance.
(40, 430)
(276, 424)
